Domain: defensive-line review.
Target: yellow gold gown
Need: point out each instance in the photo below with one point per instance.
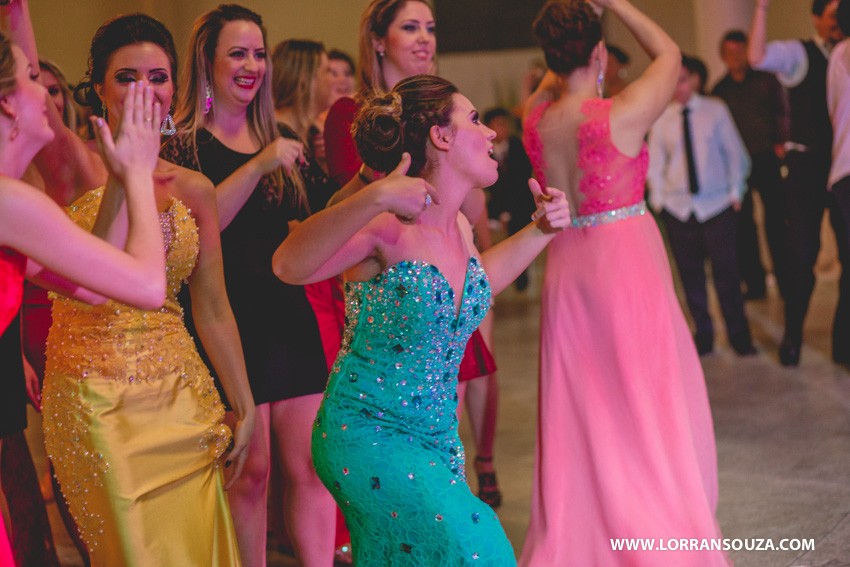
(133, 422)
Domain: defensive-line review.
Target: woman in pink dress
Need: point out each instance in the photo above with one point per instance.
(625, 444)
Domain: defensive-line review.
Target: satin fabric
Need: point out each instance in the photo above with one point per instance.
(133, 423)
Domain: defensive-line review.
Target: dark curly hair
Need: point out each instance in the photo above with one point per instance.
(390, 124)
(568, 31)
(114, 34)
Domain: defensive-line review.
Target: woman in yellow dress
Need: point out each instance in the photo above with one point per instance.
(133, 422)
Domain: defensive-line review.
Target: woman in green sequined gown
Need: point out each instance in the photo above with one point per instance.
(385, 440)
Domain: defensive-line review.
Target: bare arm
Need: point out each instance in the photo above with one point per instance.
(331, 241)
(79, 256)
(233, 192)
(68, 167)
(635, 109)
(758, 33)
(507, 259)
(214, 318)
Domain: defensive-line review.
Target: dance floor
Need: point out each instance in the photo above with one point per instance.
(783, 435)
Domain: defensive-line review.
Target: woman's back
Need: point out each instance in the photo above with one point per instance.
(570, 145)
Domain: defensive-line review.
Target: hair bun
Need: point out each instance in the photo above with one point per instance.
(378, 131)
(568, 31)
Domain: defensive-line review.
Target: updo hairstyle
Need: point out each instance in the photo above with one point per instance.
(114, 34)
(8, 68)
(390, 124)
(568, 31)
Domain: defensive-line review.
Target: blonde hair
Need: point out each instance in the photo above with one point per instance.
(295, 63)
(8, 67)
(374, 24)
(69, 113)
(197, 74)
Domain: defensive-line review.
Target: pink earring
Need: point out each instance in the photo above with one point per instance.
(208, 102)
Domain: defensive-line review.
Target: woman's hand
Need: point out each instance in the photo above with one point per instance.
(235, 459)
(599, 6)
(405, 197)
(136, 148)
(282, 152)
(553, 211)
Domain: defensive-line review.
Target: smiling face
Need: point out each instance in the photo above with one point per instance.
(239, 66)
(28, 103)
(131, 63)
(54, 89)
(471, 144)
(410, 44)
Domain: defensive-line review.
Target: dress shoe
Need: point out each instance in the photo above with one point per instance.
(705, 345)
(789, 352)
(744, 349)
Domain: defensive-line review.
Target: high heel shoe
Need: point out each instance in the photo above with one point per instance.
(488, 487)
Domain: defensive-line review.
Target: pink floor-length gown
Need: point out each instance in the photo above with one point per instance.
(625, 445)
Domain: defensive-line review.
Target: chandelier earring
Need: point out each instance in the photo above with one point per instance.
(168, 128)
(208, 100)
(600, 78)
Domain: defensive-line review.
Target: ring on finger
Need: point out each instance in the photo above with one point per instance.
(428, 200)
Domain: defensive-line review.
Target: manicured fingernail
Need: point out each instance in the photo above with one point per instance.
(100, 122)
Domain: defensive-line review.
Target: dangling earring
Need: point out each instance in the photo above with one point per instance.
(167, 128)
(600, 78)
(105, 114)
(15, 130)
(380, 55)
(208, 101)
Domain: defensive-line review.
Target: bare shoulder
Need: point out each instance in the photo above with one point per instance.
(192, 187)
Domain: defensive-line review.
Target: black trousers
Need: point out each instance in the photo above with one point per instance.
(767, 180)
(692, 242)
(806, 200)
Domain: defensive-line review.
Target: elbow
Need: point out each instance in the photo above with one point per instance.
(283, 269)
(152, 294)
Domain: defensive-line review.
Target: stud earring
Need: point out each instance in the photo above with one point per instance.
(208, 101)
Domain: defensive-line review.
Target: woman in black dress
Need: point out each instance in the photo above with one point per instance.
(227, 131)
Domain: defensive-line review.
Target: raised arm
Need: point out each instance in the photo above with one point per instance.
(507, 259)
(67, 165)
(331, 241)
(214, 318)
(635, 109)
(233, 192)
(59, 249)
(758, 33)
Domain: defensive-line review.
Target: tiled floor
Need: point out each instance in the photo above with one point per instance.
(783, 435)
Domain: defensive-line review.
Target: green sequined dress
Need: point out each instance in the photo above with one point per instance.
(385, 441)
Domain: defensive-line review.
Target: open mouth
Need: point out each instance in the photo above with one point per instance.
(245, 82)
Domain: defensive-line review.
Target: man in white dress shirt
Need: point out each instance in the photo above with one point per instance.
(698, 169)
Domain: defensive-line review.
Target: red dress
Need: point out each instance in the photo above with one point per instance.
(12, 266)
(343, 164)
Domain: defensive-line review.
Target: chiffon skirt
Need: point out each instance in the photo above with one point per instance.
(625, 445)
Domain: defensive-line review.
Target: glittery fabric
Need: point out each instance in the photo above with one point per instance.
(385, 441)
(133, 423)
(605, 217)
(611, 180)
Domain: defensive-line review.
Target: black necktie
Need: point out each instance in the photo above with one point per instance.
(689, 151)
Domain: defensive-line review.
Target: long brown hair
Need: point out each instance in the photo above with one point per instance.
(198, 73)
(374, 24)
(8, 67)
(295, 63)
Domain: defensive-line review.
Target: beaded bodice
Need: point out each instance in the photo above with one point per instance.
(11, 284)
(403, 344)
(609, 179)
(119, 328)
